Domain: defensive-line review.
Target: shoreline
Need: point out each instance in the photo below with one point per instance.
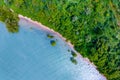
(46, 28)
(40, 25)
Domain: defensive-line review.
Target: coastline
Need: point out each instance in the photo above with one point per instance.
(46, 28)
(58, 34)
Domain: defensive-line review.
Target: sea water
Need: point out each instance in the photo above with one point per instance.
(28, 55)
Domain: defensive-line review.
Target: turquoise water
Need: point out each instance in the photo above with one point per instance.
(28, 55)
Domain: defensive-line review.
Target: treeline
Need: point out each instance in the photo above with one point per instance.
(91, 25)
(10, 18)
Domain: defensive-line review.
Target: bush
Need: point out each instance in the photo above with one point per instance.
(10, 18)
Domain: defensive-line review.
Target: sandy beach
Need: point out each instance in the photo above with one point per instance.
(56, 33)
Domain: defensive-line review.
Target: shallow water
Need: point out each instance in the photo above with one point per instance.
(28, 55)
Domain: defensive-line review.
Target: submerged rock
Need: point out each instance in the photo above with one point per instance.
(50, 36)
(73, 60)
(73, 54)
(53, 42)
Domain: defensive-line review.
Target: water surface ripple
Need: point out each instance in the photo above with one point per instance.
(28, 55)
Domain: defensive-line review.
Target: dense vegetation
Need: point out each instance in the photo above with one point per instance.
(11, 19)
(91, 25)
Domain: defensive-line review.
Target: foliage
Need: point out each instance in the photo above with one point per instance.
(91, 25)
(10, 19)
